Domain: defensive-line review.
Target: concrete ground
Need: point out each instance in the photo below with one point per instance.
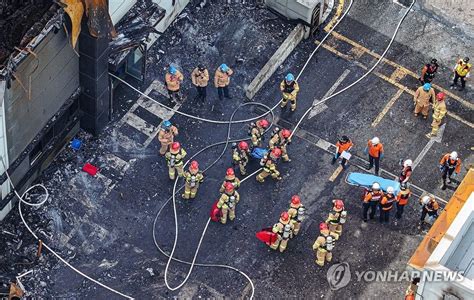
(103, 225)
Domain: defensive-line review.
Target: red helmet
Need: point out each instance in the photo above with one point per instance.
(194, 165)
(229, 187)
(440, 96)
(285, 133)
(323, 226)
(229, 172)
(175, 146)
(338, 204)
(295, 200)
(284, 216)
(243, 145)
(263, 123)
(276, 152)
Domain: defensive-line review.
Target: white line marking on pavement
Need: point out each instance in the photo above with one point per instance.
(387, 107)
(320, 108)
(140, 124)
(429, 145)
(325, 145)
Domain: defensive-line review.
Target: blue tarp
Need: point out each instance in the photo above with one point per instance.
(258, 153)
(366, 180)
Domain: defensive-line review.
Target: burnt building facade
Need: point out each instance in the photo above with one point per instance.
(49, 89)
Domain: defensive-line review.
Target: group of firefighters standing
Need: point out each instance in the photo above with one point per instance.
(288, 225)
(200, 79)
(425, 96)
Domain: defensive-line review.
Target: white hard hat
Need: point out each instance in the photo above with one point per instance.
(453, 155)
(426, 199)
(408, 163)
(390, 190)
(376, 186)
(375, 140)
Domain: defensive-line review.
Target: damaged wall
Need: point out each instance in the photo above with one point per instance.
(48, 80)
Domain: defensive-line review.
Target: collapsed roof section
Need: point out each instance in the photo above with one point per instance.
(48, 16)
(20, 24)
(133, 29)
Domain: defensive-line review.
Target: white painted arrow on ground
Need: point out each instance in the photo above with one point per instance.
(321, 107)
(425, 150)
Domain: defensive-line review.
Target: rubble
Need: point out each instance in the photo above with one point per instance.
(20, 22)
(134, 29)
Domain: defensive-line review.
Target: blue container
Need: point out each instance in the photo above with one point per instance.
(258, 153)
(76, 144)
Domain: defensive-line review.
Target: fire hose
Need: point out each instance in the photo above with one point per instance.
(229, 123)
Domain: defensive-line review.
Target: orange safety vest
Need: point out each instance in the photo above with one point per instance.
(387, 202)
(343, 146)
(446, 161)
(373, 197)
(375, 150)
(402, 197)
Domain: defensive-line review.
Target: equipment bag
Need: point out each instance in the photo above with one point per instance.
(258, 153)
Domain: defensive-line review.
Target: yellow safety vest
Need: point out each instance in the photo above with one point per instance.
(463, 69)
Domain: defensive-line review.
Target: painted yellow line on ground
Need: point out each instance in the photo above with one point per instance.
(398, 66)
(389, 80)
(336, 173)
(357, 52)
(454, 116)
(338, 13)
(387, 108)
(398, 74)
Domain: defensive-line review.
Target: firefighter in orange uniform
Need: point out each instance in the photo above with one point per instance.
(269, 164)
(200, 79)
(424, 95)
(173, 79)
(284, 230)
(375, 151)
(227, 202)
(450, 165)
(296, 213)
(222, 81)
(336, 218)
(166, 135)
(323, 245)
(192, 179)
(343, 144)
(372, 200)
(281, 139)
(174, 158)
(386, 205)
(402, 200)
(230, 177)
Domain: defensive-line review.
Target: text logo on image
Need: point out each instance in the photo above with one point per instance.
(339, 276)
